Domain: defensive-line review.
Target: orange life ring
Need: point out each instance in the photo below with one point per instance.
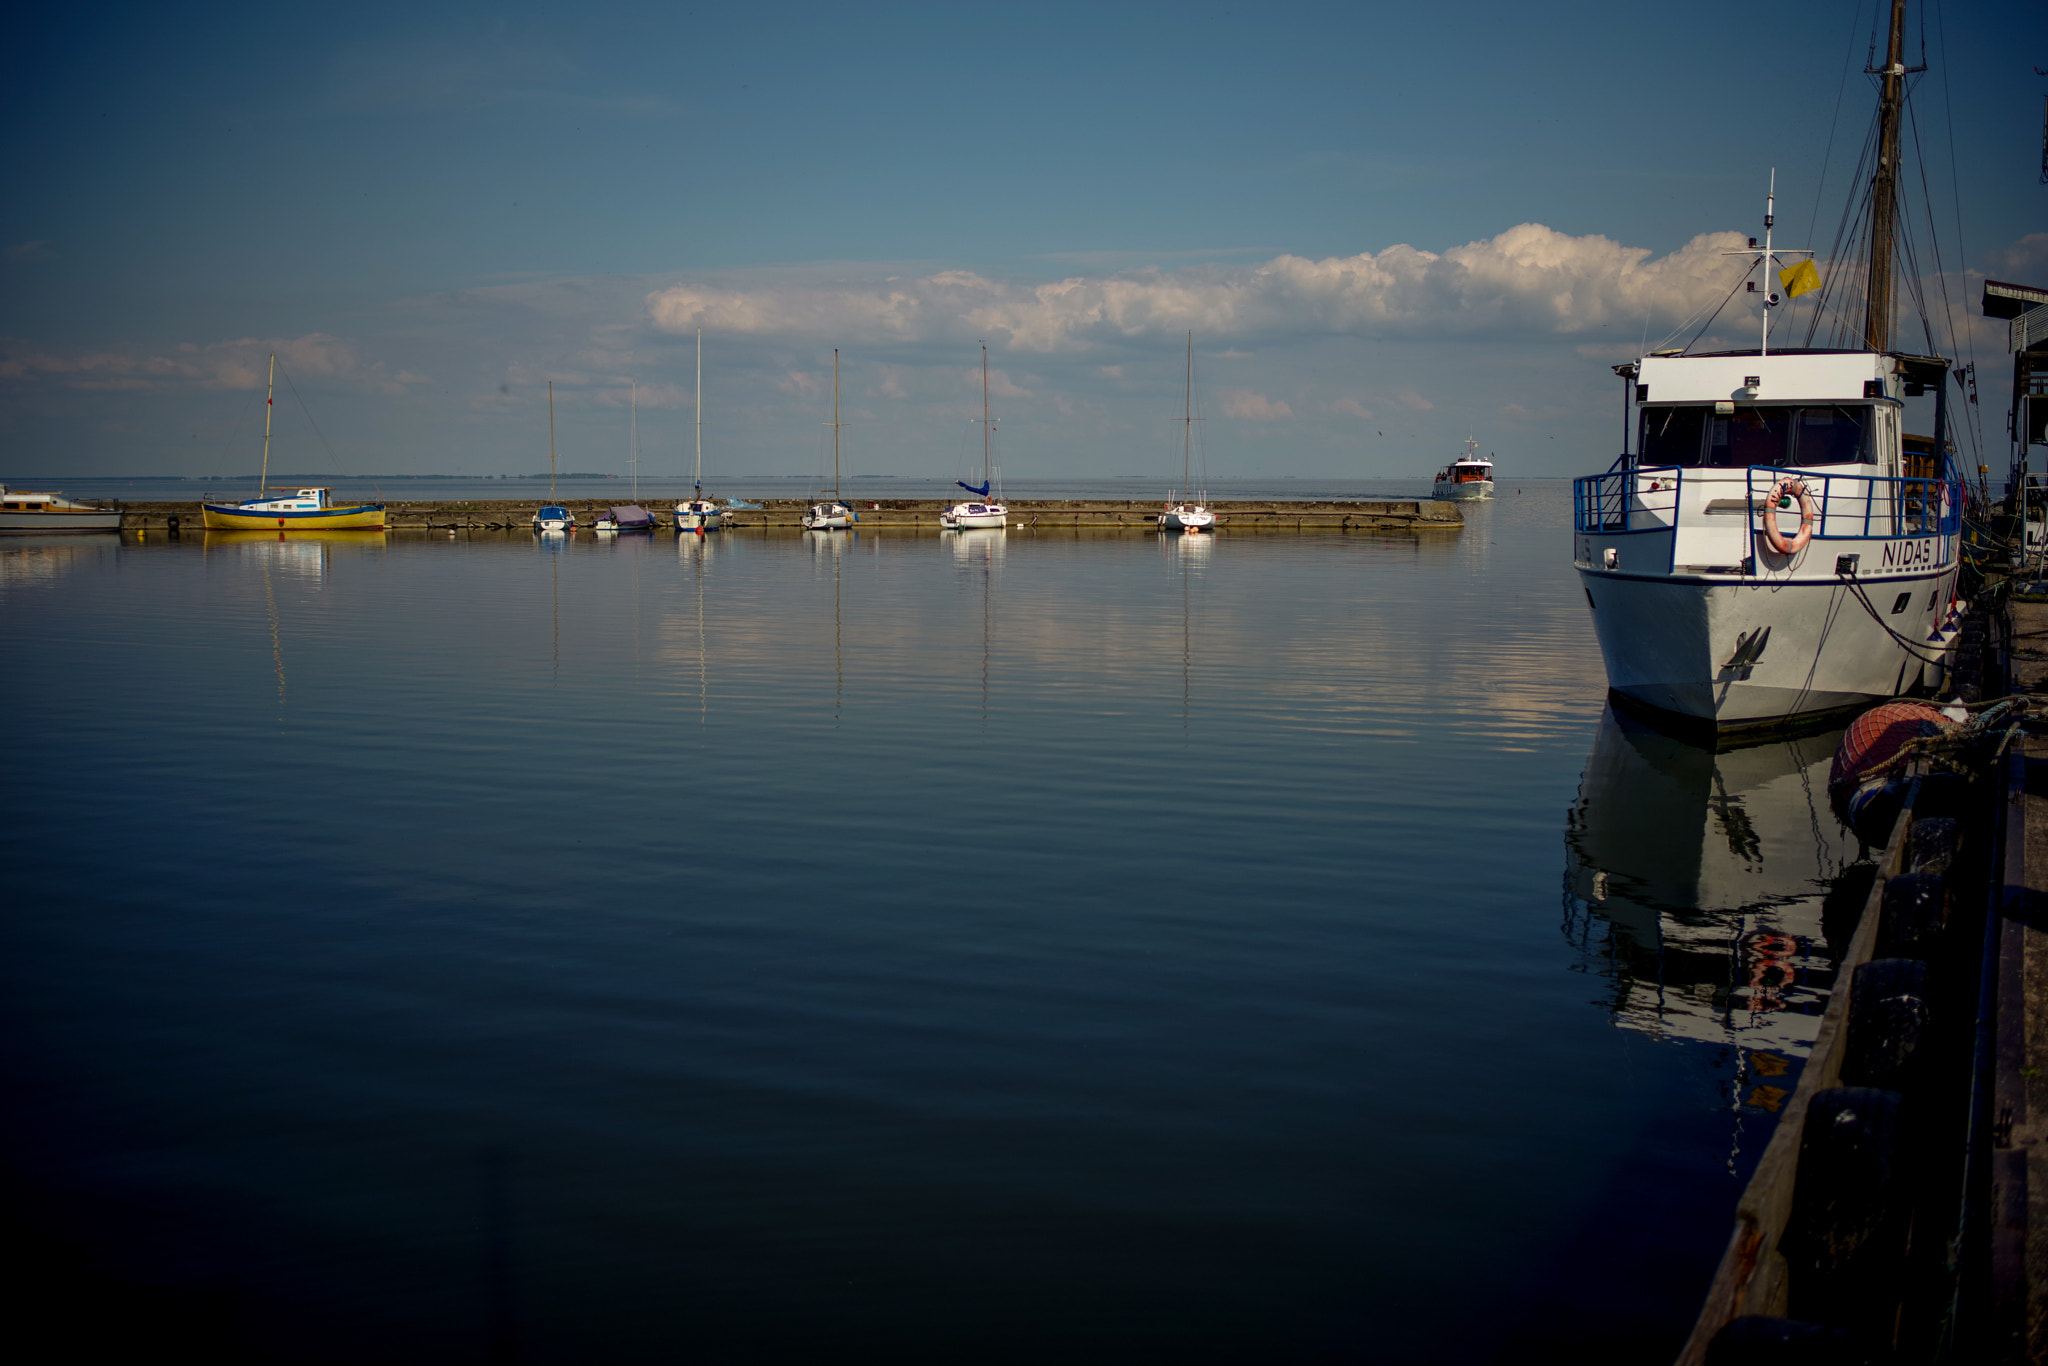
(1788, 487)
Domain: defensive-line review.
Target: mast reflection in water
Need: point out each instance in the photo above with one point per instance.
(1698, 883)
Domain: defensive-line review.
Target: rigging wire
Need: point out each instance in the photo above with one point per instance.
(333, 458)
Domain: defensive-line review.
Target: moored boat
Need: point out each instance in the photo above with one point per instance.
(982, 512)
(44, 513)
(1469, 476)
(1184, 509)
(554, 517)
(306, 509)
(627, 518)
(698, 513)
(829, 513)
(1708, 607)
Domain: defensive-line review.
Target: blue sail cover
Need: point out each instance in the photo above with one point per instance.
(980, 492)
(554, 513)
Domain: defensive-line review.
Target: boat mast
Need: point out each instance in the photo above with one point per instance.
(698, 413)
(1884, 188)
(986, 434)
(551, 441)
(633, 449)
(835, 424)
(1187, 422)
(269, 394)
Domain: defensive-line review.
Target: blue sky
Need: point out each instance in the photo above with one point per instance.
(432, 212)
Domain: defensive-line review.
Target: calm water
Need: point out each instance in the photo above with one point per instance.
(1263, 948)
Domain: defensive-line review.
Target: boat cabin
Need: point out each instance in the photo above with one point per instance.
(302, 500)
(1466, 471)
(1790, 409)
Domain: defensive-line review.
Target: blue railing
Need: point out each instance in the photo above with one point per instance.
(1846, 506)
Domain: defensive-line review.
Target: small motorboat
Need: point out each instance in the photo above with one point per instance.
(627, 518)
(47, 512)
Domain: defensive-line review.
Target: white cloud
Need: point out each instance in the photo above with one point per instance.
(2025, 262)
(1414, 402)
(1350, 407)
(1247, 406)
(1527, 280)
(239, 364)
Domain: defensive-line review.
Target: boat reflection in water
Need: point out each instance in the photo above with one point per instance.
(1702, 879)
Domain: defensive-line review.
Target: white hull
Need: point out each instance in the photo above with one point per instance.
(1465, 491)
(60, 521)
(975, 517)
(1669, 642)
(828, 517)
(698, 517)
(1186, 519)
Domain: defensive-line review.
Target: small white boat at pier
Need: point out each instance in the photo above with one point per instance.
(47, 512)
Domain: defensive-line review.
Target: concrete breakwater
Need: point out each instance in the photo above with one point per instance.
(1130, 515)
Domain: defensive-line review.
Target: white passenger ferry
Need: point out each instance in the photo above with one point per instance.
(1469, 476)
(1777, 546)
(1771, 549)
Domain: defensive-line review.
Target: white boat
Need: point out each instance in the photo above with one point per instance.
(697, 513)
(983, 513)
(1185, 513)
(48, 512)
(1469, 476)
(1708, 606)
(828, 513)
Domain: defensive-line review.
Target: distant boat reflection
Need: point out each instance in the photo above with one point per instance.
(1696, 882)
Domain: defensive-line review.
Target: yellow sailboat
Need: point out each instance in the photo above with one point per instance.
(306, 509)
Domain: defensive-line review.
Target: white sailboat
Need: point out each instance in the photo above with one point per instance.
(697, 513)
(1706, 607)
(1469, 476)
(828, 513)
(984, 513)
(1184, 512)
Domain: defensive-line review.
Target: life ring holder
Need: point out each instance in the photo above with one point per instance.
(1788, 488)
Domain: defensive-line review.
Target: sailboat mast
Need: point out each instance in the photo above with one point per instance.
(835, 424)
(1884, 188)
(698, 413)
(633, 447)
(1187, 422)
(551, 441)
(269, 394)
(986, 435)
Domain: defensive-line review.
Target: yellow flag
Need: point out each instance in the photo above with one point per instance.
(1800, 279)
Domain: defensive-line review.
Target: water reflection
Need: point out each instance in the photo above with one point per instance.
(1696, 881)
(26, 560)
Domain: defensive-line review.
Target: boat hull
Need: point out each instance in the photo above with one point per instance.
(365, 517)
(1186, 521)
(975, 517)
(59, 521)
(689, 519)
(1677, 644)
(1463, 491)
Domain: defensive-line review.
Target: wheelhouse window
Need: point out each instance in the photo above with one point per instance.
(1818, 434)
(1670, 436)
(1833, 435)
(1751, 436)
